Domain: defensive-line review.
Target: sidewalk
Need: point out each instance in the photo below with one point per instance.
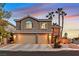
(33, 47)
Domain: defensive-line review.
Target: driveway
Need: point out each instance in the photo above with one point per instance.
(37, 50)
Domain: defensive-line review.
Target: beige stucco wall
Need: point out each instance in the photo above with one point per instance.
(35, 24)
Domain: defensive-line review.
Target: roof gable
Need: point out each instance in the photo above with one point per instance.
(40, 20)
(26, 18)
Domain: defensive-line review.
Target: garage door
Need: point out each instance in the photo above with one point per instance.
(26, 38)
(42, 39)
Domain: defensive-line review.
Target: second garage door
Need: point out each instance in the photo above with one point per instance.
(42, 39)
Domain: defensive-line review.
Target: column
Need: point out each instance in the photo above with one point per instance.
(36, 39)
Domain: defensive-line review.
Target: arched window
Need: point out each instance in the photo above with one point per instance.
(28, 25)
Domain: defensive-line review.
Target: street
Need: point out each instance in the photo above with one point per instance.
(39, 53)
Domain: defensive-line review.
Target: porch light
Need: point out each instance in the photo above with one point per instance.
(49, 38)
(14, 36)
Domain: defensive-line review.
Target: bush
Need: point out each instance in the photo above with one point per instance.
(56, 45)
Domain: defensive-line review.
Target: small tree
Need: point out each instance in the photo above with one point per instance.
(56, 44)
(65, 35)
(3, 14)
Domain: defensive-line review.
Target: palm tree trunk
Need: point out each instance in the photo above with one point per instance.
(59, 19)
(59, 25)
(62, 24)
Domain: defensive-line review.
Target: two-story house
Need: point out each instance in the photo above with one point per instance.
(33, 30)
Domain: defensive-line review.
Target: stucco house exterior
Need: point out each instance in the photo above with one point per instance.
(10, 28)
(33, 30)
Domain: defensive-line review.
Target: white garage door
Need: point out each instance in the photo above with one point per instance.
(42, 39)
(27, 38)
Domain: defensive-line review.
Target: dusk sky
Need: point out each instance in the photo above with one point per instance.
(40, 10)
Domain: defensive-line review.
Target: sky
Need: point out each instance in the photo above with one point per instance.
(40, 10)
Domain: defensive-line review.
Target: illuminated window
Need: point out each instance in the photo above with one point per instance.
(44, 25)
(29, 25)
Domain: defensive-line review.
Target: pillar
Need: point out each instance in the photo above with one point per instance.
(36, 39)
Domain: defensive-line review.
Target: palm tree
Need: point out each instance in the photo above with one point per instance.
(59, 10)
(60, 13)
(63, 14)
(50, 15)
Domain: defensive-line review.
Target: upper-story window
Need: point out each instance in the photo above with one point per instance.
(28, 25)
(43, 25)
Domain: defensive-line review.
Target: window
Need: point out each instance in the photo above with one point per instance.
(28, 24)
(44, 26)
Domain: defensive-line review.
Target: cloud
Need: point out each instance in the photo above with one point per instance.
(72, 12)
(34, 7)
(71, 17)
(43, 8)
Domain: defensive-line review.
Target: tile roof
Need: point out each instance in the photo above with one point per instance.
(33, 18)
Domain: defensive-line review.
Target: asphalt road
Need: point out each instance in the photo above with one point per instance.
(39, 53)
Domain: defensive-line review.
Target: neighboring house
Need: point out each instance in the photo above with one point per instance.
(33, 30)
(10, 28)
(75, 40)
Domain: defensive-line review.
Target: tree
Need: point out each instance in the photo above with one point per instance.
(65, 35)
(63, 14)
(59, 10)
(3, 15)
(60, 13)
(50, 15)
(56, 44)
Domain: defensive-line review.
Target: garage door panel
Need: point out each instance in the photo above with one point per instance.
(42, 39)
(27, 38)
